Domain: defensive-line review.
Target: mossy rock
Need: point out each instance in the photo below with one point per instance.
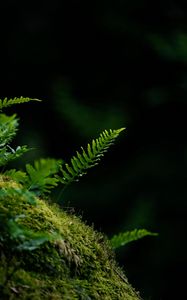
(79, 265)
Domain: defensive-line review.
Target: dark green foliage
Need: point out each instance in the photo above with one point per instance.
(124, 238)
(8, 129)
(7, 153)
(77, 114)
(19, 237)
(17, 193)
(39, 179)
(74, 263)
(16, 239)
(40, 176)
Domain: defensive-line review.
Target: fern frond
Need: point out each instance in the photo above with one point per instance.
(7, 153)
(124, 238)
(16, 100)
(89, 157)
(41, 176)
(8, 128)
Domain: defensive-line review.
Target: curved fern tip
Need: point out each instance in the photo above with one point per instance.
(34, 99)
(118, 130)
(16, 100)
(126, 237)
(89, 156)
(121, 129)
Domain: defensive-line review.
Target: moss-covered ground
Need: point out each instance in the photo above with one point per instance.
(78, 264)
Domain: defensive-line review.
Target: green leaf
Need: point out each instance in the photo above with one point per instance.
(88, 159)
(23, 239)
(74, 164)
(8, 128)
(34, 242)
(82, 159)
(70, 170)
(124, 238)
(90, 151)
(41, 177)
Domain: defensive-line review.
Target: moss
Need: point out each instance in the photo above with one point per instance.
(77, 264)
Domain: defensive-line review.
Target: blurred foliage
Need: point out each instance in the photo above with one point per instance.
(106, 65)
(83, 118)
(171, 48)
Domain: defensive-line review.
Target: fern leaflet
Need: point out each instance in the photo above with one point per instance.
(9, 102)
(89, 157)
(124, 238)
(8, 128)
(41, 176)
(7, 153)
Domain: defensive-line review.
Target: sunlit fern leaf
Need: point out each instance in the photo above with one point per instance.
(8, 154)
(16, 100)
(41, 176)
(88, 158)
(8, 128)
(124, 238)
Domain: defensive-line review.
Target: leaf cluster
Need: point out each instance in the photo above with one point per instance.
(43, 175)
(8, 130)
(18, 236)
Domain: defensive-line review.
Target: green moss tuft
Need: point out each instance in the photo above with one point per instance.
(77, 263)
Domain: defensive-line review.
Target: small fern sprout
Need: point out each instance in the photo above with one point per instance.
(89, 157)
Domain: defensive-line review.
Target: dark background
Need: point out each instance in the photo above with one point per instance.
(100, 65)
